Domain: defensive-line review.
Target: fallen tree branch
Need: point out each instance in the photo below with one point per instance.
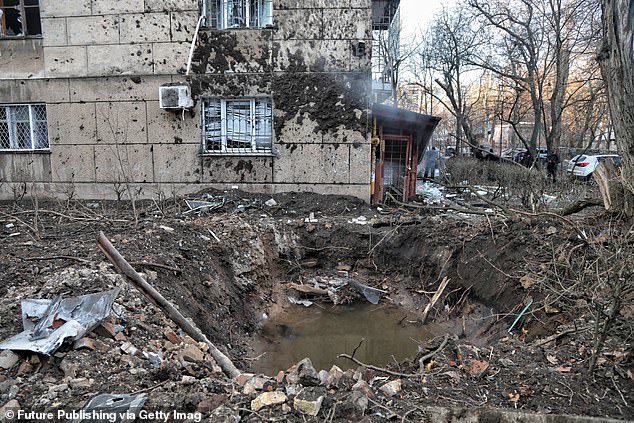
(148, 290)
(421, 361)
(434, 298)
(81, 260)
(556, 336)
(379, 369)
(578, 206)
(458, 209)
(81, 219)
(390, 372)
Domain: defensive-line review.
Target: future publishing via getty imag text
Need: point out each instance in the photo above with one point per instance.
(100, 415)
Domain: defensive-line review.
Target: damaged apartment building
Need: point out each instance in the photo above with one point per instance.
(173, 96)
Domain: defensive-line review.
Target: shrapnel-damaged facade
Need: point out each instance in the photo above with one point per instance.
(174, 96)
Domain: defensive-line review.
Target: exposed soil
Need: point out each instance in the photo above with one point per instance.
(229, 269)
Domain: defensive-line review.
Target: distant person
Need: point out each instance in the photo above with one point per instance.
(551, 166)
(430, 163)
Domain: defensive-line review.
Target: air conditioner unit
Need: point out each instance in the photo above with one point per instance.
(175, 97)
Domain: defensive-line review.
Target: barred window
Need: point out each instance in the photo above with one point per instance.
(23, 127)
(237, 126)
(20, 18)
(222, 14)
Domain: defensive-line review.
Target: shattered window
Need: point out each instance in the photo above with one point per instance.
(20, 18)
(23, 127)
(237, 125)
(223, 14)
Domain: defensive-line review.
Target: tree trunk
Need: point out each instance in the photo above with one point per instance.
(617, 64)
(609, 182)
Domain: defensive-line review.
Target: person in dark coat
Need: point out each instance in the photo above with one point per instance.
(551, 166)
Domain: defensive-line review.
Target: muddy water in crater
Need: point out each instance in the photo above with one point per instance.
(323, 333)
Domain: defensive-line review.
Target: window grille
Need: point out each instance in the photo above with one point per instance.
(20, 18)
(23, 127)
(223, 14)
(237, 126)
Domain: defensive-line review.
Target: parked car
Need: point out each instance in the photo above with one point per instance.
(583, 166)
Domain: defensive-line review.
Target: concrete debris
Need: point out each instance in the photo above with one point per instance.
(293, 389)
(243, 378)
(8, 410)
(192, 354)
(310, 218)
(212, 403)
(84, 342)
(361, 220)
(267, 399)
(130, 349)
(303, 373)
(81, 383)
(172, 337)
(224, 414)
(353, 407)
(308, 401)
(48, 323)
(125, 407)
(334, 377)
(271, 203)
(362, 386)
(8, 359)
(392, 388)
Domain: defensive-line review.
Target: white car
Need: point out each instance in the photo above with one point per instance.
(583, 166)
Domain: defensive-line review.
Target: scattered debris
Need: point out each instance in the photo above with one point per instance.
(267, 399)
(392, 388)
(197, 206)
(309, 400)
(124, 408)
(58, 320)
(373, 295)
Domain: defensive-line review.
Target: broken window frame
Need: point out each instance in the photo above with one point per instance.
(23, 127)
(25, 14)
(240, 126)
(234, 14)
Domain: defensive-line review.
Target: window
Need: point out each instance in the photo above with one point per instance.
(23, 127)
(223, 14)
(20, 18)
(239, 126)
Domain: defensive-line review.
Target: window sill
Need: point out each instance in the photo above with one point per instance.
(232, 154)
(241, 28)
(48, 151)
(20, 37)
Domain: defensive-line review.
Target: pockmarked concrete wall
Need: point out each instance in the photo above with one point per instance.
(98, 67)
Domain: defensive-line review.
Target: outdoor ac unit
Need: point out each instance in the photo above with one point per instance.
(175, 97)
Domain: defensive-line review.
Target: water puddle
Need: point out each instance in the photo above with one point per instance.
(322, 333)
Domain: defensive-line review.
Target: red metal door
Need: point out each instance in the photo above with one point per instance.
(397, 172)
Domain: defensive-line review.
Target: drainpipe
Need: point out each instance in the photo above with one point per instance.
(191, 49)
(374, 143)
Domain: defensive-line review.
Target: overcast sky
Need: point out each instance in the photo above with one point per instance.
(416, 14)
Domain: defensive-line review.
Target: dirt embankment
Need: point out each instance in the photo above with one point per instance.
(228, 268)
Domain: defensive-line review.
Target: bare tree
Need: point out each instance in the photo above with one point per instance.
(516, 56)
(453, 41)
